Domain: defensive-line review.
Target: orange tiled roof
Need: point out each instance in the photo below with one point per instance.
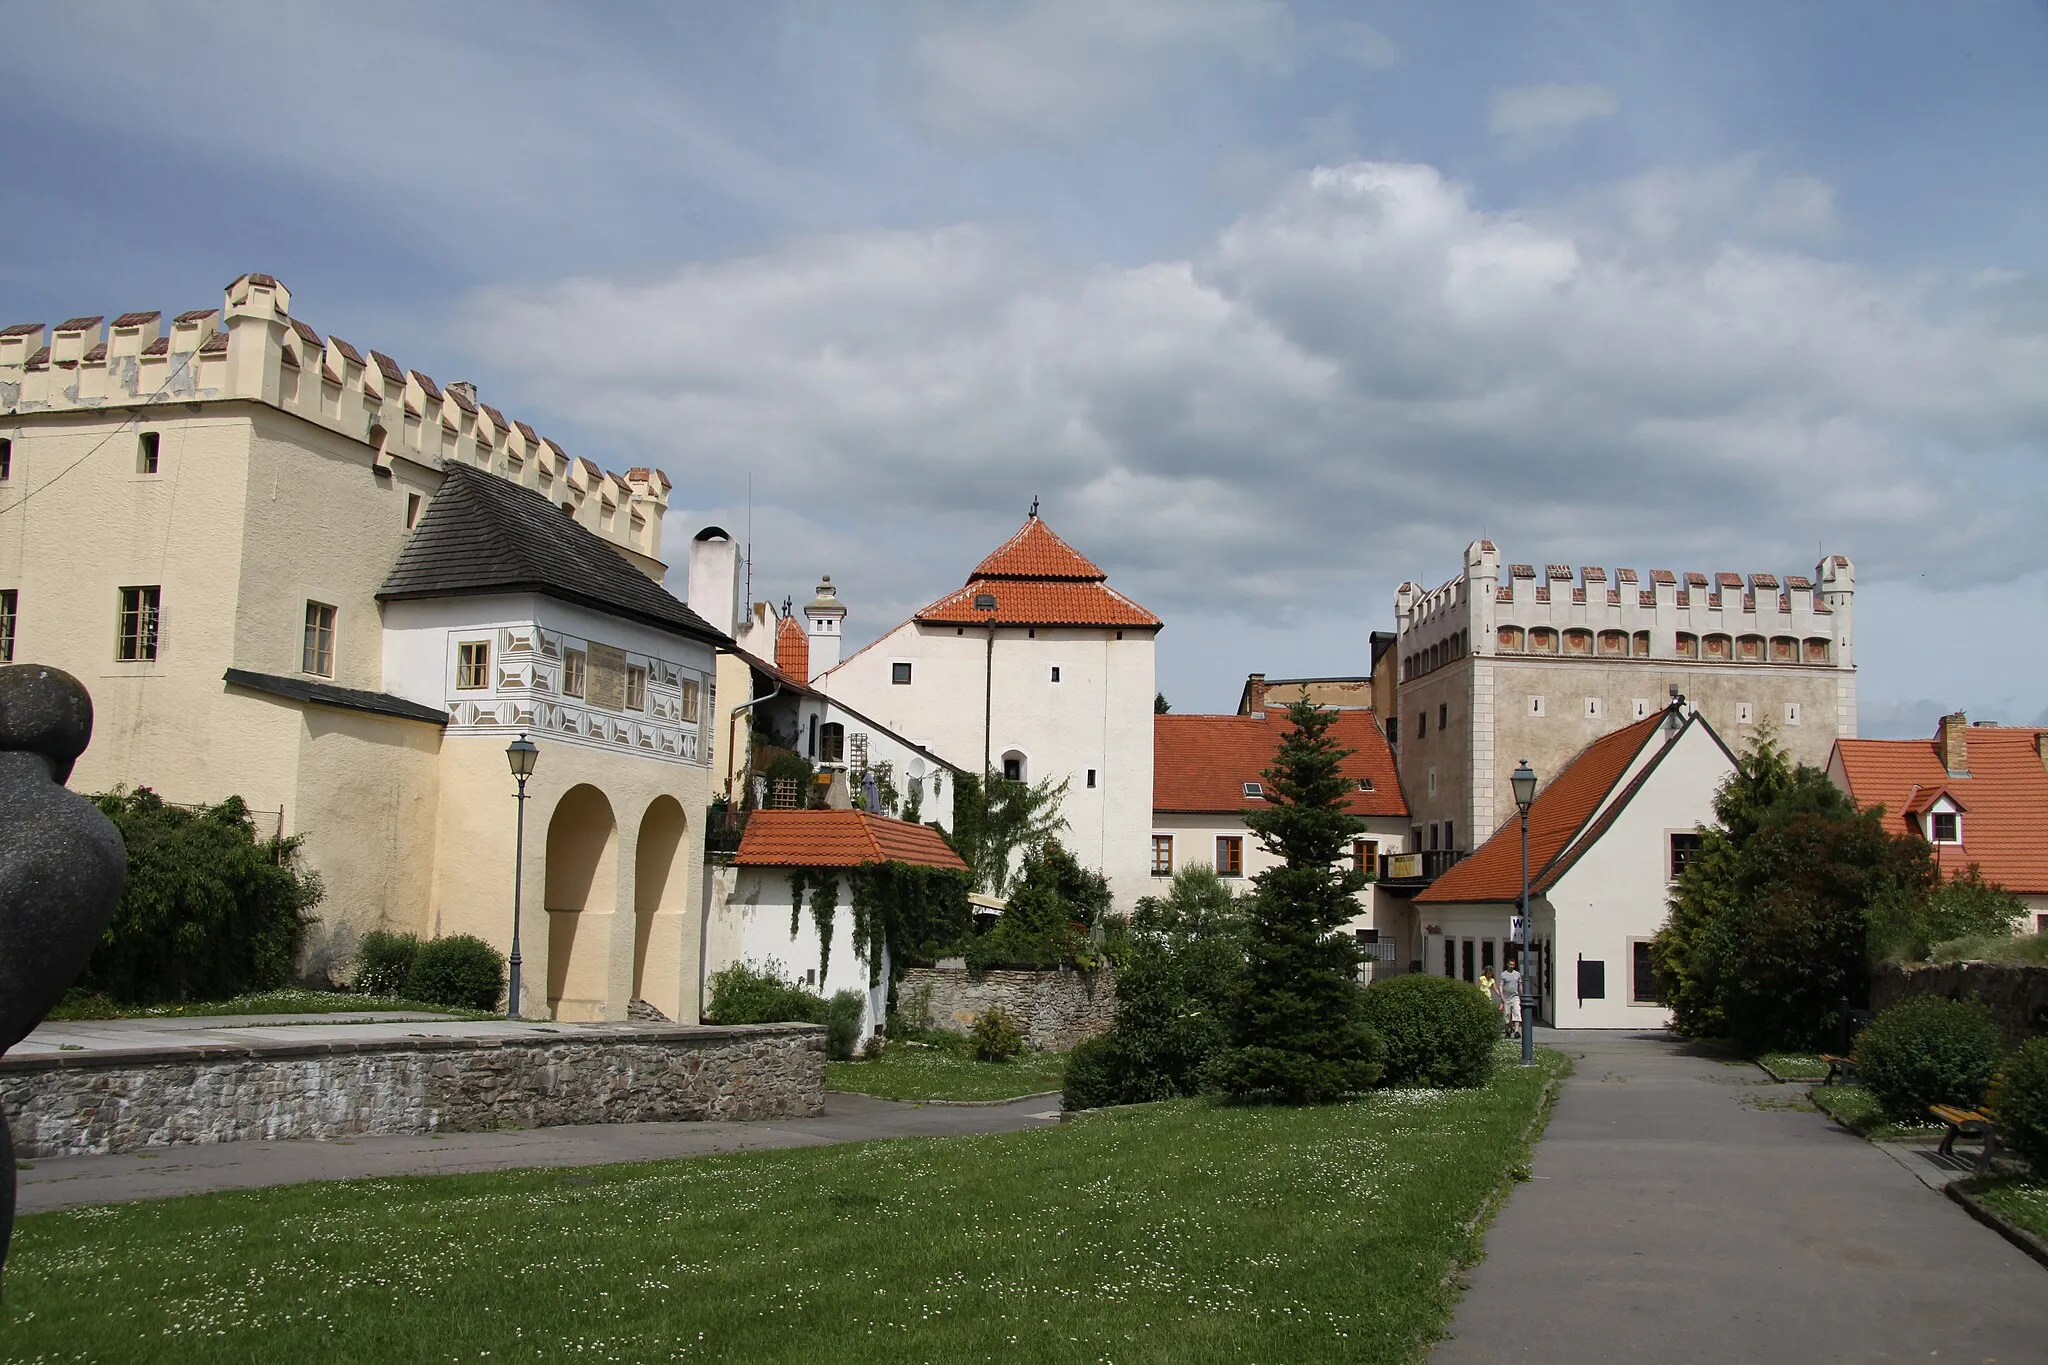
(792, 648)
(2005, 798)
(1039, 602)
(1035, 552)
(840, 838)
(1201, 763)
(1560, 811)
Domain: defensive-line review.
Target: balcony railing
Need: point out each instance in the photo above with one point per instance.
(1417, 870)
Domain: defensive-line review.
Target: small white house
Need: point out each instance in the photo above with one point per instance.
(1608, 836)
(760, 922)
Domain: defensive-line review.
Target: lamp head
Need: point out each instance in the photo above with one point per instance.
(1523, 781)
(522, 753)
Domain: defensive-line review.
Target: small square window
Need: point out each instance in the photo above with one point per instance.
(1365, 784)
(1640, 707)
(147, 448)
(1091, 778)
(1365, 855)
(140, 621)
(412, 510)
(1742, 713)
(1055, 672)
(1947, 828)
(1592, 708)
(1162, 855)
(472, 665)
(1791, 713)
(1229, 856)
(575, 669)
(899, 674)
(1684, 848)
(1535, 706)
(1643, 988)
(636, 688)
(1255, 790)
(317, 655)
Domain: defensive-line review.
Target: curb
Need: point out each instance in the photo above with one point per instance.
(2026, 1241)
(989, 1104)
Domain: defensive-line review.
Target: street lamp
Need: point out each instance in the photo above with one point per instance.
(1523, 781)
(521, 753)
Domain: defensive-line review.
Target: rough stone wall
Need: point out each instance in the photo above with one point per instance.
(1058, 1009)
(2017, 995)
(71, 1105)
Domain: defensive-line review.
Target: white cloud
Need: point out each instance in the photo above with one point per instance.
(1057, 68)
(1533, 116)
(1343, 388)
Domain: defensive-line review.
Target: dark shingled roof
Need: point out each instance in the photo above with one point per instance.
(136, 319)
(80, 324)
(196, 315)
(214, 344)
(353, 355)
(327, 694)
(21, 329)
(485, 534)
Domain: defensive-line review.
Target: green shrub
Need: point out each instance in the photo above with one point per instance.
(461, 970)
(995, 1036)
(1097, 1075)
(746, 994)
(2019, 1101)
(842, 1024)
(210, 910)
(1906, 926)
(384, 962)
(1438, 1031)
(2024, 949)
(1927, 1050)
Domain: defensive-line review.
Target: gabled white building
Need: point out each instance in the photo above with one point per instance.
(1036, 667)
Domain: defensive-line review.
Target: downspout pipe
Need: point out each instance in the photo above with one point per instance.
(732, 731)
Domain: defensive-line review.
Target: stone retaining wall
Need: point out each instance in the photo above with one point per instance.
(1057, 1009)
(71, 1104)
(2017, 995)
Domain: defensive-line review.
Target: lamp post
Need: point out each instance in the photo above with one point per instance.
(521, 753)
(1523, 780)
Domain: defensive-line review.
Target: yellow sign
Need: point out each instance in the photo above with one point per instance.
(1402, 865)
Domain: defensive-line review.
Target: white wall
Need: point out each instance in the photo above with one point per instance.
(1099, 716)
(753, 926)
(1194, 841)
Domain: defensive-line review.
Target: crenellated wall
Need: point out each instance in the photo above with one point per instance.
(252, 349)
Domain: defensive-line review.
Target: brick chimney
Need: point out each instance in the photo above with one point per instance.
(1952, 744)
(1255, 695)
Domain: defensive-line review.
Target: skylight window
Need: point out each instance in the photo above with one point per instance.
(1255, 790)
(1365, 784)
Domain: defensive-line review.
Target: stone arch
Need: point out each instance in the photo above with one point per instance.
(1688, 645)
(658, 885)
(1542, 640)
(1750, 649)
(1509, 638)
(1613, 644)
(1718, 647)
(1640, 644)
(1784, 650)
(582, 897)
(1817, 647)
(1578, 642)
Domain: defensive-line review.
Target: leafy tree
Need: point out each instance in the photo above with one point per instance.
(987, 834)
(1297, 1033)
(1160, 705)
(210, 910)
(1905, 927)
(1055, 902)
(1767, 931)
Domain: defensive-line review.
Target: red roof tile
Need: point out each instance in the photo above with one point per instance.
(1023, 602)
(350, 353)
(1201, 763)
(21, 329)
(1035, 552)
(306, 334)
(137, 319)
(792, 648)
(1561, 810)
(161, 346)
(2005, 797)
(427, 385)
(840, 838)
(80, 324)
(388, 367)
(97, 353)
(216, 344)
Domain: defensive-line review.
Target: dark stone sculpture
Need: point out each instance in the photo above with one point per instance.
(62, 864)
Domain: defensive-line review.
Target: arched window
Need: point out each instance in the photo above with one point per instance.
(1719, 647)
(1641, 644)
(1543, 640)
(1749, 649)
(1688, 646)
(1509, 638)
(1816, 650)
(832, 742)
(1016, 768)
(1613, 644)
(1578, 642)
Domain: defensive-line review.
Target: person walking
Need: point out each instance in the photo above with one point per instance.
(1511, 998)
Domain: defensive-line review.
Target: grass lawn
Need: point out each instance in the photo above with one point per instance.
(291, 1000)
(1795, 1066)
(943, 1071)
(2024, 1202)
(1857, 1109)
(1178, 1232)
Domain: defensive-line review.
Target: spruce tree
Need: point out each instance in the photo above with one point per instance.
(1297, 1033)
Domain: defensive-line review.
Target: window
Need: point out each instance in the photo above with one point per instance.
(1013, 767)
(1229, 855)
(1365, 784)
(317, 657)
(1592, 708)
(575, 669)
(1162, 855)
(7, 608)
(1592, 980)
(1433, 828)
(899, 674)
(1443, 717)
(1432, 782)
(1465, 958)
(831, 742)
(6, 460)
(1421, 724)
(1791, 713)
(688, 707)
(1642, 977)
(146, 450)
(1641, 707)
(1948, 827)
(1450, 957)
(1254, 790)
(1742, 713)
(1091, 777)
(472, 665)
(412, 510)
(1450, 837)
(1684, 848)
(1688, 646)
(1055, 672)
(1365, 855)
(1535, 706)
(636, 688)
(141, 614)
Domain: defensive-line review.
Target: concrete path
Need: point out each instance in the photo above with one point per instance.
(1683, 1211)
(62, 1182)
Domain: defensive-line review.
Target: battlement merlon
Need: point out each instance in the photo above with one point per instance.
(252, 349)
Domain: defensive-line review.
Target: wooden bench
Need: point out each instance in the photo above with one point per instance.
(1838, 1067)
(1966, 1123)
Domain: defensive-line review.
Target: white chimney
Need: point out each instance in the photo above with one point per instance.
(714, 591)
(826, 622)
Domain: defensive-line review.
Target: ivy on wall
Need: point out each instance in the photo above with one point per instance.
(916, 913)
(823, 885)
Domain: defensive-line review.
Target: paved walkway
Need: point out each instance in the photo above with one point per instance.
(1683, 1211)
(61, 1182)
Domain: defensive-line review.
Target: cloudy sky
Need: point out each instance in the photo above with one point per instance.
(1272, 305)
